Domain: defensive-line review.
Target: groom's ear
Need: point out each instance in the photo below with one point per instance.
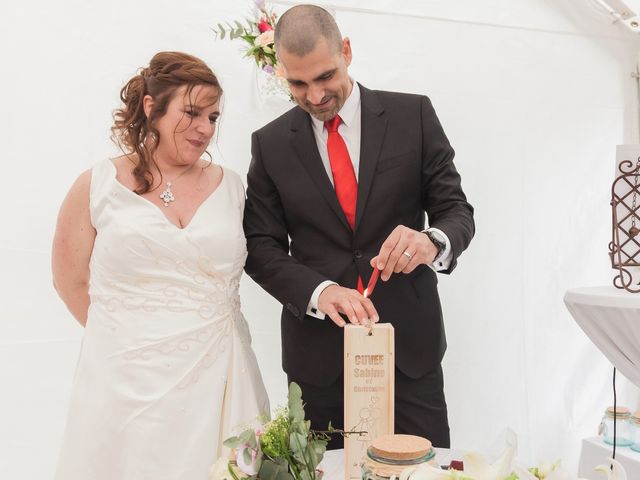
(147, 105)
(346, 50)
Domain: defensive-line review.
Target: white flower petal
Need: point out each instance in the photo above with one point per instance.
(219, 470)
(425, 472)
(523, 473)
(615, 473)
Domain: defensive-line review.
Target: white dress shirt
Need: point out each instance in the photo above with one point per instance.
(350, 129)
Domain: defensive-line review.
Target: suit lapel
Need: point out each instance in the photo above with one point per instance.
(374, 125)
(304, 144)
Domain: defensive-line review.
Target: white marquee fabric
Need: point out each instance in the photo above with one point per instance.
(534, 95)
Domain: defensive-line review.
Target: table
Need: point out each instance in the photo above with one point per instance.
(611, 319)
(595, 452)
(333, 461)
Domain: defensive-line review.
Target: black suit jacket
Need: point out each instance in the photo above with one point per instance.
(298, 236)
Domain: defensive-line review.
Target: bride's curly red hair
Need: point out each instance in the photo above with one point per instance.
(132, 129)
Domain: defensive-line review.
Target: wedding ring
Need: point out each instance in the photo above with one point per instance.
(407, 254)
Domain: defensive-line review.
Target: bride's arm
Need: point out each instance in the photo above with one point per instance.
(72, 247)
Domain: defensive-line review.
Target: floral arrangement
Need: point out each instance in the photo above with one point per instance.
(257, 34)
(284, 448)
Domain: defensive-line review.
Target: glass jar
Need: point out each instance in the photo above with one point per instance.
(635, 431)
(389, 455)
(622, 418)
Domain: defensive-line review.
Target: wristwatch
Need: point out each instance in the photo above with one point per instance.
(438, 241)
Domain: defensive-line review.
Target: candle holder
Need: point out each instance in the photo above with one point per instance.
(624, 248)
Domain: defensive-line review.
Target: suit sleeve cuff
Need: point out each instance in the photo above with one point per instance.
(443, 262)
(312, 308)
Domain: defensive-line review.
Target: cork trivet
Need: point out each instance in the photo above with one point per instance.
(400, 447)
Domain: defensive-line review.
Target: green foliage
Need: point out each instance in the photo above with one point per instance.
(256, 33)
(536, 472)
(296, 409)
(275, 440)
(272, 470)
(288, 448)
(235, 31)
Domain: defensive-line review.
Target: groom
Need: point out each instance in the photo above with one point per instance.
(337, 185)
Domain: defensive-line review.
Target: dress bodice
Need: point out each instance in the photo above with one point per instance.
(140, 259)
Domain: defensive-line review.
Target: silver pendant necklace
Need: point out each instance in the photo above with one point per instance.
(167, 195)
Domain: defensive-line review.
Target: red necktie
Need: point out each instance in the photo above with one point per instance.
(344, 177)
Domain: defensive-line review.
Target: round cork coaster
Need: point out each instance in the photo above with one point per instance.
(400, 447)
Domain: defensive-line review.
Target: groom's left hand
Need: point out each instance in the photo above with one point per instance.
(402, 251)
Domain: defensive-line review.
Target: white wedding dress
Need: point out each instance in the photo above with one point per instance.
(166, 370)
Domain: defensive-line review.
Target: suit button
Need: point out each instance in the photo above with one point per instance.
(357, 254)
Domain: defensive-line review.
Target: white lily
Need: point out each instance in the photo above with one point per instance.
(614, 470)
(477, 467)
(547, 471)
(523, 473)
(426, 472)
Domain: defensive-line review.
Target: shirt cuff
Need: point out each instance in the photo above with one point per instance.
(443, 262)
(312, 308)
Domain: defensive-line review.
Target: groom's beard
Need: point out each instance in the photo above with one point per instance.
(326, 110)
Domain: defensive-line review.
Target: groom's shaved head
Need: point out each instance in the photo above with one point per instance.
(300, 27)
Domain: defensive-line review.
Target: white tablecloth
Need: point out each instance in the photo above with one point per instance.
(333, 461)
(611, 319)
(595, 452)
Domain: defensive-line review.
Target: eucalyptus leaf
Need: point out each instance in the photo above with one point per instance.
(296, 409)
(284, 475)
(298, 445)
(319, 447)
(238, 25)
(312, 458)
(270, 470)
(232, 442)
(222, 31)
(297, 441)
(248, 437)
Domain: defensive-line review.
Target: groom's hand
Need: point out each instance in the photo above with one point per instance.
(335, 300)
(402, 251)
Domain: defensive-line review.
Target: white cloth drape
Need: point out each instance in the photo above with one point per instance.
(611, 319)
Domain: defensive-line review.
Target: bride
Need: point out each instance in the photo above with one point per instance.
(147, 256)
